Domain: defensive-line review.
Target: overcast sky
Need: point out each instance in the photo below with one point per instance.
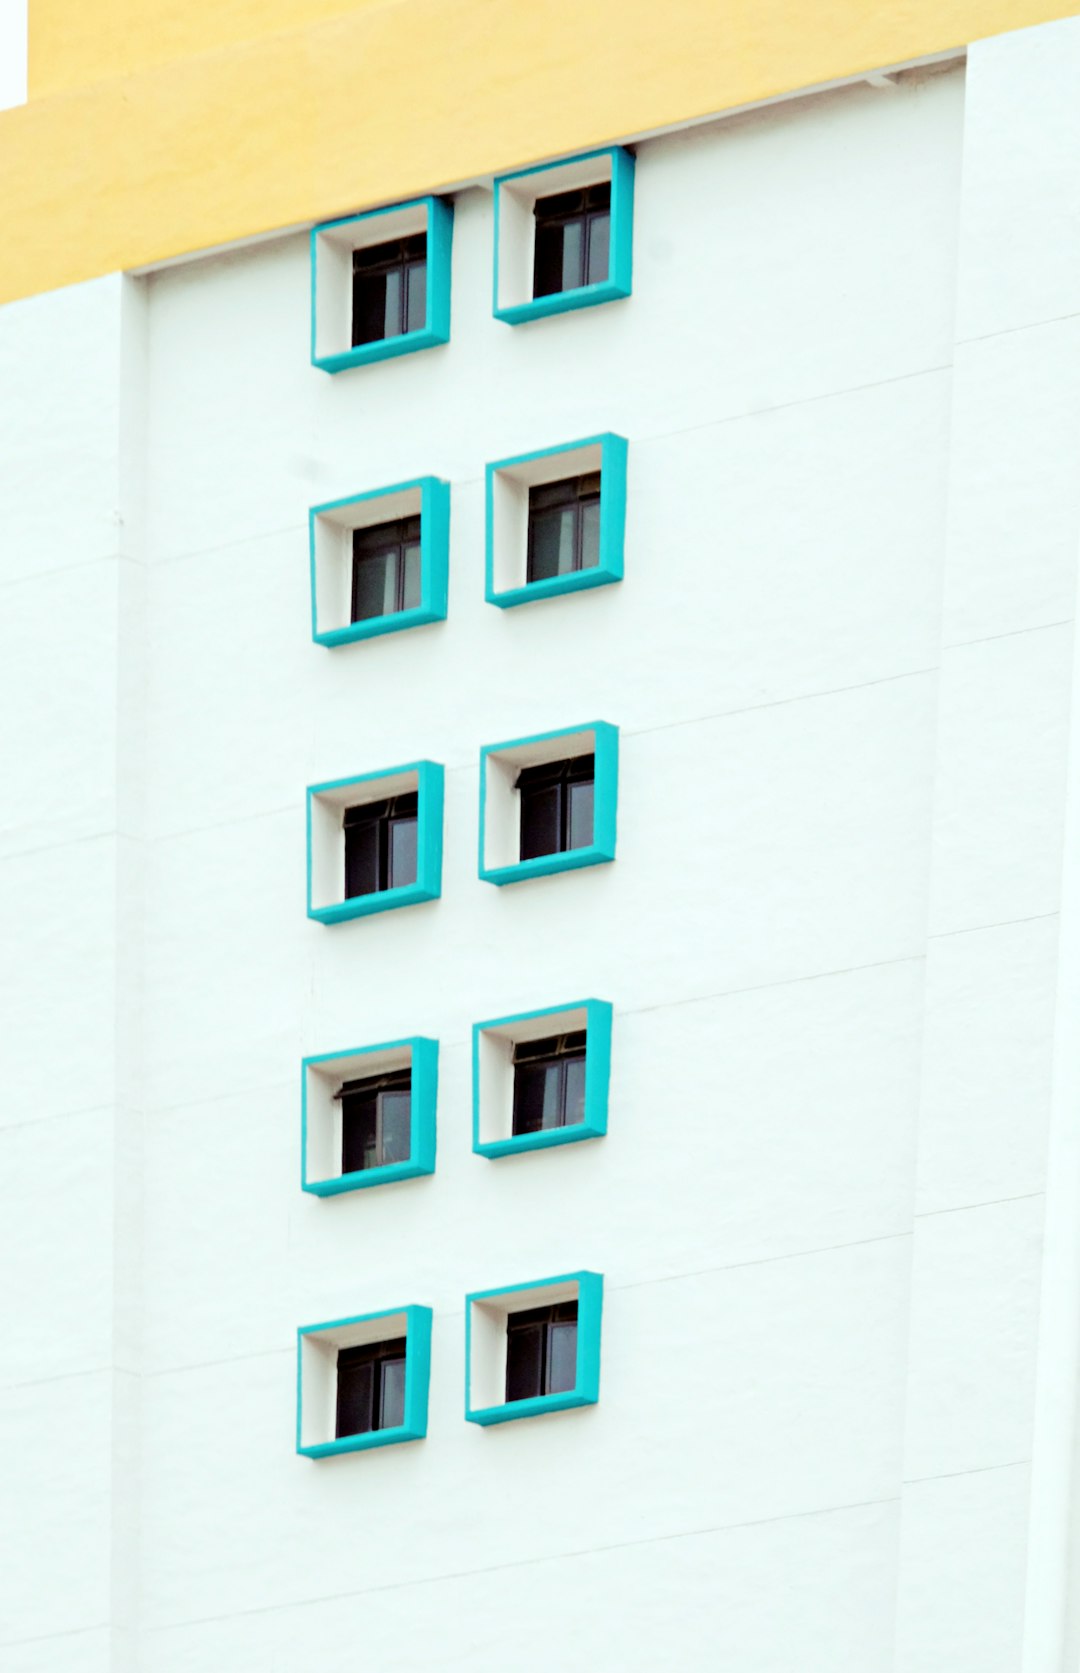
(12, 52)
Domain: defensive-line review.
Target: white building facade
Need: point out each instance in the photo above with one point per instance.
(834, 1210)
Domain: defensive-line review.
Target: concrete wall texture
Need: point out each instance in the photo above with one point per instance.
(836, 1206)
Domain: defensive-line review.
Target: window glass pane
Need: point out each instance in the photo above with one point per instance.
(396, 1109)
(356, 1386)
(562, 1359)
(416, 306)
(392, 316)
(411, 597)
(599, 239)
(530, 1083)
(590, 534)
(374, 585)
(581, 814)
(554, 1096)
(540, 821)
(357, 1132)
(392, 1403)
(369, 308)
(573, 254)
(547, 260)
(524, 1361)
(551, 542)
(361, 859)
(575, 1091)
(402, 852)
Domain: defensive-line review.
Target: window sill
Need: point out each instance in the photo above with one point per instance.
(538, 1406)
(386, 348)
(373, 626)
(363, 906)
(543, 1140)
(563, 301)
(389, 1174)
(362, 1443)
(545, 865)
(533, 591)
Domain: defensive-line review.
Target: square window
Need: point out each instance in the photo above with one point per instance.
(541, 1079)
(548, 803)
(379, 561)
(556, 520)
(368, 1116)
(564, 235)
(362, 1382)
(374, 842)
(533, 1348)
(380, 284)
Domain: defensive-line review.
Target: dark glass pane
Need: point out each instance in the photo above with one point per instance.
(396, 1110)
(392, 1401)
(374, 590)
(361, 859)
(574, 1107)
(547, 259)
(402, 852)
(416, 301)
(358, 1147)
(395, 281)
(563, 492)
(581, 815)
(524, 1361)
(537, 1101)
(590, 534)
(411, 592)
(540, 821)
(599, 239)
(355, 1391)
(573, 255)
(369, 308)
(551, 542)
(562, 1359)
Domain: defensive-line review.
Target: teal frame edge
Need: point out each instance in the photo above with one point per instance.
(428, 885)
(597, 1078)
(423, 1099)
(417, 1379)
(434, 562)
(619, 281)
(605, 807)
(586, 1389)
(613, 456)
(436, 327)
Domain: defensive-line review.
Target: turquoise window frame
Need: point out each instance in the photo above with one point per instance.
(428, 884)
(597, 1020)
(434, 496)
(417, 1379)
(611, 451)
(423, 1059)
(605, 803)
(436, 327)
(619, 282)
(586, 1390)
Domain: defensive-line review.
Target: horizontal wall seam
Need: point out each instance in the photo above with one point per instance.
(977, 1469)
(1012, 330)
(1011, 633)
(969, 1207)
(532, 1562)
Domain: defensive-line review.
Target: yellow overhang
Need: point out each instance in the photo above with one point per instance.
(388, 100)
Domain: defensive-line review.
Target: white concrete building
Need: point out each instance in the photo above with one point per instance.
(835, 1209)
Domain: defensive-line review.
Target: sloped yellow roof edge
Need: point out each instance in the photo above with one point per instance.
(389, 101)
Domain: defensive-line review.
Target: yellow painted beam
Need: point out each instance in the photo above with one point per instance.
(396, 99)
(76, 42)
